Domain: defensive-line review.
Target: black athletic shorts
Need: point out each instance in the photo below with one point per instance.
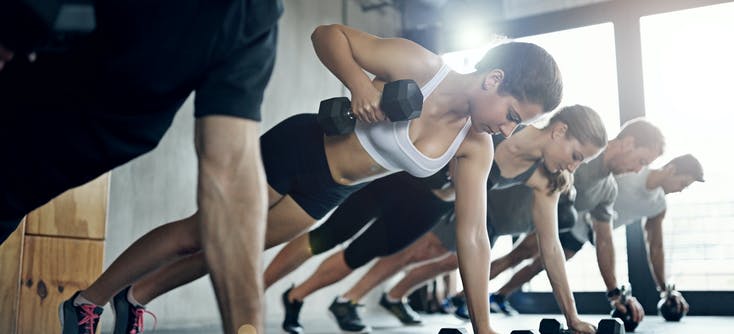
(69, 117)
(295, 164)
(569, 242)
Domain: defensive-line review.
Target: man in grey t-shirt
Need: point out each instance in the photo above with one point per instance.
(640, 196)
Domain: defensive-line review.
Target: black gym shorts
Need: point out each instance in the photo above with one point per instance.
(295, 165)
(569, 242)
(69, 117)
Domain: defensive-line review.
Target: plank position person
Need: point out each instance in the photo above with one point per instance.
(309, 174)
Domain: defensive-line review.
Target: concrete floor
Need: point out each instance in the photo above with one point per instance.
(385, 324)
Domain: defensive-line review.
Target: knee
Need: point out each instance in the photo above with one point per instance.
(451, 262)
(320, 241)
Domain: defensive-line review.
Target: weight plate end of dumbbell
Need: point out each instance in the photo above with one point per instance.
(332, 118)
(611, 326)
(549, 326)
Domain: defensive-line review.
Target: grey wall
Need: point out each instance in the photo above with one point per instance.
(161, 186)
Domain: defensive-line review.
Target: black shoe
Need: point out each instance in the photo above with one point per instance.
(128, 317)
(498, 304)
(292, 310)
(346, 316)
(82, 319)
(462, 310)
(401, 310)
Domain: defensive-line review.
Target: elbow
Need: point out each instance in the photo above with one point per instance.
(323, 30)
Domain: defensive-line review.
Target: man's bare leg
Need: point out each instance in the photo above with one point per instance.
(290, 257)
(155, 249)
(525, 274)
(523, 249)
(332, 270)
(419, 275)
(170, 277)
(232, 205)
(426, 248)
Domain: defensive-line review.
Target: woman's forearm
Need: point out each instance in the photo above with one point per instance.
(474, 269)
(555, 266)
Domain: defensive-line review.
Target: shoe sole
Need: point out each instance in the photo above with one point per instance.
(366, 330)
(61, 316)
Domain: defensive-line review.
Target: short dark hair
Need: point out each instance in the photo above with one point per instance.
(687, 164)
(645, 134)
(531, 73)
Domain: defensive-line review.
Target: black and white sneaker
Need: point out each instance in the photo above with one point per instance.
(292, 310)
(401, 310)
(347, 317)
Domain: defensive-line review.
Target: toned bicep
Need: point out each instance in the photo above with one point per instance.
(470, 172)
(654, 228)
(545, 212)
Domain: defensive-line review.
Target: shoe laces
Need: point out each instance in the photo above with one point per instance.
(138, 323)
(90, 318)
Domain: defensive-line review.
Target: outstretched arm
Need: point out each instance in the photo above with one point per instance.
(553, 257)
(605, 257)
(656, 256)
(655, 253)
(605, 254)
(469, 174)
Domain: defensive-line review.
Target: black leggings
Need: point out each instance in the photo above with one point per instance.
(403, 209)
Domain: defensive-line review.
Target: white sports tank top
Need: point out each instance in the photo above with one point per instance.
(389, 144)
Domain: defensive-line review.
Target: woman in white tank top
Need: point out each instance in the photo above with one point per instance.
(514, 83)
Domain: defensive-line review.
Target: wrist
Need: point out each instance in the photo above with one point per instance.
(572, 319)
(614, 294)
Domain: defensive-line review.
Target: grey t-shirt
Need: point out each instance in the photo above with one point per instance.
(596, 190)
(635, 200)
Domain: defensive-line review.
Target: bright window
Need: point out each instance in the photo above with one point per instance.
(588, 64)
(688, 70)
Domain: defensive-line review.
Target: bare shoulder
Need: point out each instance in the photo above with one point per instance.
(476, 145)
(417, 62)
(538, 182)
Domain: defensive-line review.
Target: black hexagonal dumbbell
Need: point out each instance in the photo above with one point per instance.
(552, 326)
(523, 331)
(629, 323)
(452, 331)
(668, 305)
(401, 100)
(610, 326)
